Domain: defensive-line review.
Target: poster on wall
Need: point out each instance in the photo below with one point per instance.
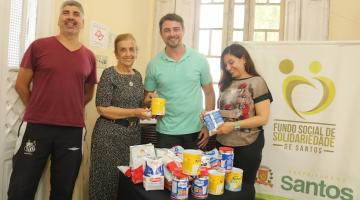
(99, 35)
(311, 140)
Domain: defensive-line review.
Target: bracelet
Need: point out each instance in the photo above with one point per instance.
(237, 125)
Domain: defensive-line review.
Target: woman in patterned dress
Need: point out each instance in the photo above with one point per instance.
(119, 101)
(244, 102)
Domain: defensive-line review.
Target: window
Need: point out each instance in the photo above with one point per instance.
(221, 22)
(21, 29)
(267, 21)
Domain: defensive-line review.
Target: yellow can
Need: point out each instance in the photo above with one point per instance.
(191, 162)
(216, 181)
(233, 180)
(158, 106)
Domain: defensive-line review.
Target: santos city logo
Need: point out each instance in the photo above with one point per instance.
(286, 66)
(264, 176)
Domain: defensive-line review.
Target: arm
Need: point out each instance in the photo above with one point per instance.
(22, 85)
(209, 105)
(88, 93)
(209, 96)
(261, 118)
(112, 112)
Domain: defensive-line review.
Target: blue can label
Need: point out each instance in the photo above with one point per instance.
(200, 187)
(227, 161)
(179, 189)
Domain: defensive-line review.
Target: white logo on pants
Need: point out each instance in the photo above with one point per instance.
(30, 147)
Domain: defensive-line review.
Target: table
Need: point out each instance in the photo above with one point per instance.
(129, 191)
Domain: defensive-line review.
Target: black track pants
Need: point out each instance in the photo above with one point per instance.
(63, 144)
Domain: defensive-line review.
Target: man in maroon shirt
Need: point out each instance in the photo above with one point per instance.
(63, 73)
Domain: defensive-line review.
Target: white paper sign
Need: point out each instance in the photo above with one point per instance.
(99, 35)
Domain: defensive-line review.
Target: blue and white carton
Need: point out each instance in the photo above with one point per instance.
(213, 120)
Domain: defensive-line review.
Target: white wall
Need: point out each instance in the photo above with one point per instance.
(344, 20)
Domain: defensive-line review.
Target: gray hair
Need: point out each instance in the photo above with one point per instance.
(73, 3)
(122, 37)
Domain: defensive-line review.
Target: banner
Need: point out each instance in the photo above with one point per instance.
(312, 139)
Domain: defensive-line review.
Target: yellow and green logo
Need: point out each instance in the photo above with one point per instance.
(286, 66)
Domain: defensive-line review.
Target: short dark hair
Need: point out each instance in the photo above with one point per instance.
(171, 17)
(73, 3)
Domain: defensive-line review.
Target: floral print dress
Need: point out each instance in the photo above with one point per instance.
(237, 102)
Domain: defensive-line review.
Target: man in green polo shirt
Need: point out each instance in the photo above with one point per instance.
(178, 74)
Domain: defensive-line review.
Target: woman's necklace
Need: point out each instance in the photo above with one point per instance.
(131, 74)
(130, 82)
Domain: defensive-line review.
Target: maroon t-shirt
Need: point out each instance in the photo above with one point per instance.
(59, 76)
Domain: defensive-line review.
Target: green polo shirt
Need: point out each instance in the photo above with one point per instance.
(180, 84)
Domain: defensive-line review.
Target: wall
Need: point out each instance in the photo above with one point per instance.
(120, 16)
(344, 21)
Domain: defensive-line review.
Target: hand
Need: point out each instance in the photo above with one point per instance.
(225, 128)
(143, 113)
(157, 117)
(202, 115)
(203, 137)
(148, 97)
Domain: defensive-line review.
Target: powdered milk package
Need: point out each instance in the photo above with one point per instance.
(178, 151)
(233, 179)
(211, 159)
(139, 152)
(226, 158)
(158, 106)
(191, 162)
(216, 181)
(212, 120)
(153, 174)
(179, 186)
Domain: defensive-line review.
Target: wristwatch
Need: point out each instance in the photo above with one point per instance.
(237, 125)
